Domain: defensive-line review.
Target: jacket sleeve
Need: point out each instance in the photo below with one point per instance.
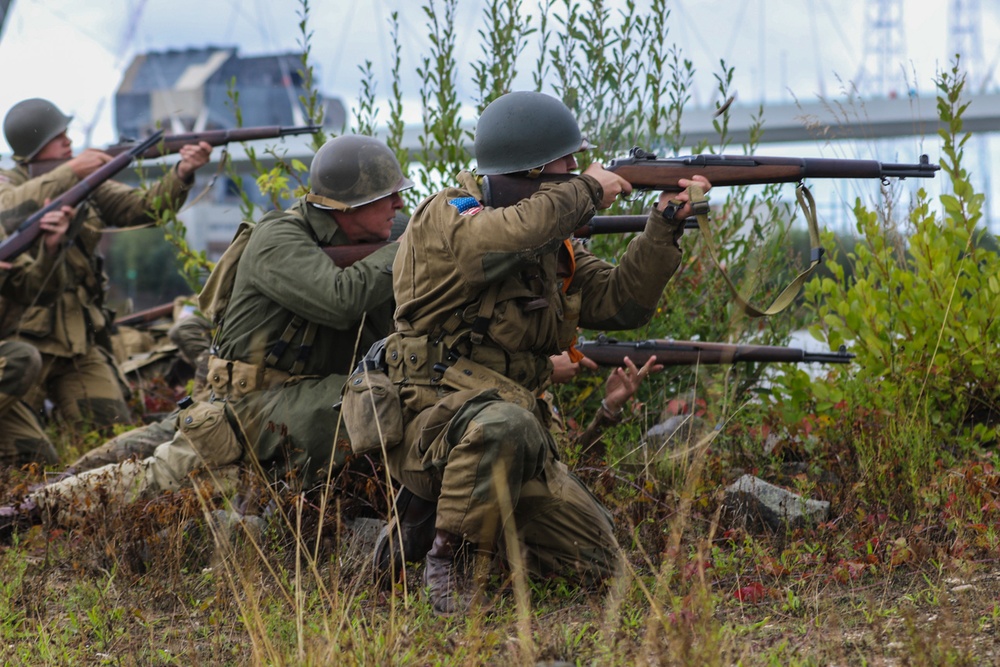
(121, 205)
(18, 201)
(332, 297)
(625, 296)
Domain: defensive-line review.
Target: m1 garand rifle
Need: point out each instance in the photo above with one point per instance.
(612, 352)
(646, 171)
(345, 255)
(172, 143)
(28, 231)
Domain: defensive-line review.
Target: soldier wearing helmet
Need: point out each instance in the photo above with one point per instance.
(485, 296)
(78, 373)
(289, 323)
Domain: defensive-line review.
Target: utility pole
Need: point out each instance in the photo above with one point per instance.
(882, 72)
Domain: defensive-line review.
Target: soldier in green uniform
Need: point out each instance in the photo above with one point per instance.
(32, 278)
(286, 341)
(78, 374)
(485, 296)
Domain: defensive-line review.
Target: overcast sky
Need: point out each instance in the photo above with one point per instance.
(74, 51)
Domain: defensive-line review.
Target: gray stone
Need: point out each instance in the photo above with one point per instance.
(358, 543)
(673, 430)
(751, 500)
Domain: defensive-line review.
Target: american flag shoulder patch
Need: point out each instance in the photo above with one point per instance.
(466, 205)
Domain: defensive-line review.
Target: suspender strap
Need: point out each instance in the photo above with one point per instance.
(485, 314)
(286, 338)
(305, 348)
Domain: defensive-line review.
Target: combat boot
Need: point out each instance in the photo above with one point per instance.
(446, 574)
(416, 528)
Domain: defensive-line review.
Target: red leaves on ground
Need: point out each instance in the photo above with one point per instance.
(752, 593)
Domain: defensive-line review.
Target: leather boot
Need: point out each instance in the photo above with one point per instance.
(416, 523)
(447, 584)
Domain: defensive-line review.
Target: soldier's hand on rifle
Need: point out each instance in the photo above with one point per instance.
(193, 157)
(612, 184)
(624, 382)
(54, 225)
(684, 197)
(88, 162)
(564, 370)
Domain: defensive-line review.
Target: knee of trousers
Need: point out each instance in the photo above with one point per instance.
(20, 367)
(504, 432)
(172, 463)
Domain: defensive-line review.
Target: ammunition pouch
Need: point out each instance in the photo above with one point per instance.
(372, 409)
(207, 429)
(232, 380)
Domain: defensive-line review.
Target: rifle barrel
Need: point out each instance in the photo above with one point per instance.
(172, 143)
(611, 352)
(146, 316)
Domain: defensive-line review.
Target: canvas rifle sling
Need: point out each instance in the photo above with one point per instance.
(787, 296)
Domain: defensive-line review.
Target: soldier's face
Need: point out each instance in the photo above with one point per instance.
(371, 222)
(563, 165)
(60, 148)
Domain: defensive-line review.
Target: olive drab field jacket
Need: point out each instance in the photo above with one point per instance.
(69, 325)
(292, 277)
(292, 327)
(505, 276)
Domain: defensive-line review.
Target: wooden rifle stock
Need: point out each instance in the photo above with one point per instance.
(611, 352)
(172, 143)
(146, 316)
(345, 255)
(645, 171)
(28, 231)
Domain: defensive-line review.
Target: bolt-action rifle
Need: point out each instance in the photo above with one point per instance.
(345, 255)
(28, 231)
(173, 143)
(611, 352)
(646, 171)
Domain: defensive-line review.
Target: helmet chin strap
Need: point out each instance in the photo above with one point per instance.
(319, 201)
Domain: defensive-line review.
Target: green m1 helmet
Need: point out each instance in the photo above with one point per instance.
(353, 170)
(31, 124)
(525, 130)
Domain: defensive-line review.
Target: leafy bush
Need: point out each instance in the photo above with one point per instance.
(916, 301)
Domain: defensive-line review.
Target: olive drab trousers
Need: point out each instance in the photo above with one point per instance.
(563, 530)
(86, 389)
(21, 437)
(291, 429)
